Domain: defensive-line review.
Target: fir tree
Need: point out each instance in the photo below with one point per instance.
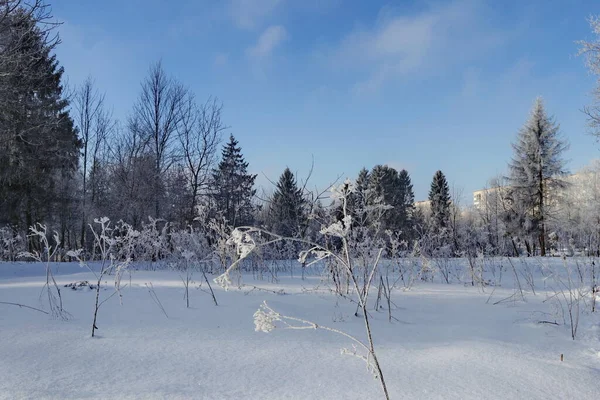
(362, 181)
(535, 171)
(286, 212)
(382, 181)
(387, 188)
(360, 200)
(232, 186)
(40, 144)
(439, 197)
(405, 204)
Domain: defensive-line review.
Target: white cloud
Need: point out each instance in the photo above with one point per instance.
(249, 14)
(397, 46)
(268, 41)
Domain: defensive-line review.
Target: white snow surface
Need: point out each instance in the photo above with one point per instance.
(450, 343)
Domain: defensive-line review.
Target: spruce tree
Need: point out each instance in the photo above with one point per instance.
(362, 181)
(286, 212)
(360, 200)
(439, 198)
(232, 186)
(38, 139)
(382, 179)
(405, 204)
(386, 185)
(535, 171)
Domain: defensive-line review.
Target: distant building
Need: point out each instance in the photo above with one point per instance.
(493, 198)
(424, 206)
(489, 198)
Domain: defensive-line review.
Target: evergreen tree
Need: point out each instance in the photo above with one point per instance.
(383, 182)
(405, 204)
(40, 143)
(439, 197)
(362, 181)
(387, 187)
(535, 171)
(286, 212)
(359, 203)
(360, 200)
(232, 186)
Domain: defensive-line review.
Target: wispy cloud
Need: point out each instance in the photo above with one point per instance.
(396, 46)
(249, 14)
(268, 41)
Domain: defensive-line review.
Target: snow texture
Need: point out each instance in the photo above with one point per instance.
(449, 343)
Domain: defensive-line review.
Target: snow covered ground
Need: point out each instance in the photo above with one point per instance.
(450, 342)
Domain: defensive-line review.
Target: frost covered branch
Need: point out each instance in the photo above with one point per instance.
(48, 251)
(265, 317)
(265, 320)
(106, 242)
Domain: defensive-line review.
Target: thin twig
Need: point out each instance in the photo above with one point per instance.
(109, 297)
(155, 298)
(22, 305)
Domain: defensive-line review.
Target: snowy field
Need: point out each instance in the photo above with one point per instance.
(449, 342)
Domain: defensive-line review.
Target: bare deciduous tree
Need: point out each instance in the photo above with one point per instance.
(156, 118)
(199, 135)
(94, 124)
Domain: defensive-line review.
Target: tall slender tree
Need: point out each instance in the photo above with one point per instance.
(385, 185)
(361, 199)
(156, 118)
(439, 197)
(94, 124)
(286, 211)
(405, 204)
(535, 171)
(233, 187)
(199, 137)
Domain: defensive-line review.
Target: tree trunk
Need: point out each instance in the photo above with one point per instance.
(515, 247)
(543, 242)
(528, 247)
(542, 211)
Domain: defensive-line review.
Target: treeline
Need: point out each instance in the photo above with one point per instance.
(65, 161)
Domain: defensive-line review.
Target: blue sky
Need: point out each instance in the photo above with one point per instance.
(421, 85)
